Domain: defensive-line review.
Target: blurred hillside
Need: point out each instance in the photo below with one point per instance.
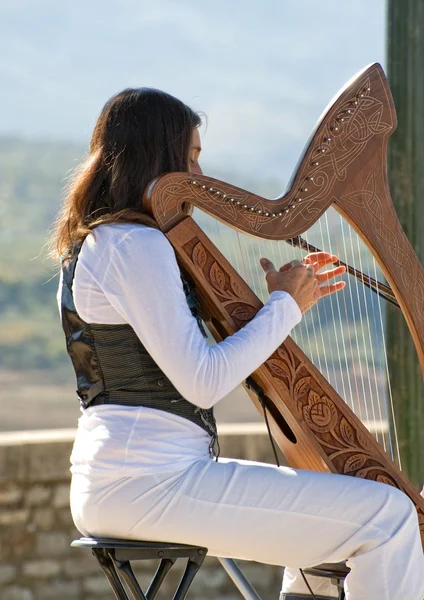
(31, 181)
(32, 175)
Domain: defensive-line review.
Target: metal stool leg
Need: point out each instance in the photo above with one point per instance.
(193, 565)
(109, 569)
(161, 573)
(248, 591)
(125, 570)
(242, 584)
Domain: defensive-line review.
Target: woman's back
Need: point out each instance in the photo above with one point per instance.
(125, 440)
(140, 260)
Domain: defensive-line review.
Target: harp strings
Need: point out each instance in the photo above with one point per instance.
(385, 375)
(359, 365)
(347, 377)
(360, 328)
(343, 335)
(376, 396)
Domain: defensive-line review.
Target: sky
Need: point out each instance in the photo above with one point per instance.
(261, 70)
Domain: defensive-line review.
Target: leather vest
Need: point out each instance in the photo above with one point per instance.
(113, 367)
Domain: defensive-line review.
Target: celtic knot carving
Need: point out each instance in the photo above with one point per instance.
(349, 141)
(371, 216)
(360, 114)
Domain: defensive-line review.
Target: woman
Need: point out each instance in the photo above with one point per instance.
(142, 464)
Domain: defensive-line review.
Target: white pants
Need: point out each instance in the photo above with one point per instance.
(269, 514)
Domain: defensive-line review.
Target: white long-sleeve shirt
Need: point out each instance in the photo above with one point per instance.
(129, 274)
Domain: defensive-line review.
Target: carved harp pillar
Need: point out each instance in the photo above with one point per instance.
(343, 166)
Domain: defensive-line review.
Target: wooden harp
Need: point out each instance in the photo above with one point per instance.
(343, 166)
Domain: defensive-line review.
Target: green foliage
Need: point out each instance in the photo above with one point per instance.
(32, 179)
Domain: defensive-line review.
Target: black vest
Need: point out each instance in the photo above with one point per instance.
(113, 367)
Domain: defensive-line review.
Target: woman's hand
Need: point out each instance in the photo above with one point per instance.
(301, 278)
(296, 278)
(319, 260)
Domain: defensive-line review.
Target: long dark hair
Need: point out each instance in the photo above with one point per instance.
(140, 134)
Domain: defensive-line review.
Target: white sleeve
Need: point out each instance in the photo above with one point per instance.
(143, 284)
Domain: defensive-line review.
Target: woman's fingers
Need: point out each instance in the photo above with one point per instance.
(316, 261)
(320, 259)
(331, 289)
(319, 256)
(267, 265)
(325, 258)
(285, 268)
(330, 274)
(295, 263)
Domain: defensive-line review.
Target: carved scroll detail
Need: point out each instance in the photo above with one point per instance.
(347, 447)
(226, 288)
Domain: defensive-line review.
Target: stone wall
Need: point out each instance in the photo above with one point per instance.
(36, 529)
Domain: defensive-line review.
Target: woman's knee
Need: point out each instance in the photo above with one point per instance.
(401, 503)
(396, 510)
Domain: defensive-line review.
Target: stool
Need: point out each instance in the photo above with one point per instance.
(115, 555)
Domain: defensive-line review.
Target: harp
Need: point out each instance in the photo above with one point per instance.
(343, 170)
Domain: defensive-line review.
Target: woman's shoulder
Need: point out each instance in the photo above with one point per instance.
(124, 250)
(116, 236)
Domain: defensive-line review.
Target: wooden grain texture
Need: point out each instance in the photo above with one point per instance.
(344, 165)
